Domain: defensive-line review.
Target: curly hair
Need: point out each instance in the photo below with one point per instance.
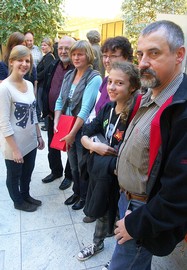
(118, 43)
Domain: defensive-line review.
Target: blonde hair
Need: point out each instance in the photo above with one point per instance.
(85, 46)
(49, 42)
(17, 53)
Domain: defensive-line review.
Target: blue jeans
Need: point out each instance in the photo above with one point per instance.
(130, 255)
(75, 156)
(19, 177)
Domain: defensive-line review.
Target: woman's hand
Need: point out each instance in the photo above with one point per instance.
(70, 138)
(102, 149)
(55, 127)
(17, 156)
(41, 143)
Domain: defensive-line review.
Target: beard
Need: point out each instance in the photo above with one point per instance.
(65, 60)
(151, 82)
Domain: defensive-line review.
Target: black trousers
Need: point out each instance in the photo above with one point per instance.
(54, 155)
(19, 177)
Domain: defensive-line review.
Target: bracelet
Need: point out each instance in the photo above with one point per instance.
(39, 137)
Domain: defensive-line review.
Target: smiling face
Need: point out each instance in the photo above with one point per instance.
(118, 86)
(21, 66)
(110, 57)
(64, 46)
(158, 65)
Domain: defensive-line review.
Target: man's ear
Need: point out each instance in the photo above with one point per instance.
(180, 54)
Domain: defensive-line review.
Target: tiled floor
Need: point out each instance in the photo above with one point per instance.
(51, 237)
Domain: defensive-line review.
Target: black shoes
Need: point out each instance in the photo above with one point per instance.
(79, 204)
(88, 219)
(72, 199)
(29, 204)
(50, 178)
(25, 206)
(66, 183)
(76, 201)
(33, 201)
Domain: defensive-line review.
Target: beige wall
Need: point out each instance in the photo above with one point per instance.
(78, 27)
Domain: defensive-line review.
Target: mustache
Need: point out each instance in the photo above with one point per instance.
(147, 71)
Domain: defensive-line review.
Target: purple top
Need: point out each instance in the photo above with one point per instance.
(104, 98)
(56, 84)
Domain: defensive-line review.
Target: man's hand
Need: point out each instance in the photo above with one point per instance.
(121, 232)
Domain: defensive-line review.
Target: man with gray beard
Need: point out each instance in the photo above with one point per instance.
(152, 160)
(52, 85)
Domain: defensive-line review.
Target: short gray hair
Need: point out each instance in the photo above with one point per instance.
(93, 36)
(173, 33)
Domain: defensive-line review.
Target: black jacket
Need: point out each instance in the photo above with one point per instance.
(162, 223)
(103, 190)
(42, 67)
(47, 84)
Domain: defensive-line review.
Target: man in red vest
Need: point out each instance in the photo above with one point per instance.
(152, 161)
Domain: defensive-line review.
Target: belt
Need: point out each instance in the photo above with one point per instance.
(132, 196)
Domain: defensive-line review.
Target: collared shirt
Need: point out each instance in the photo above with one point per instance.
(133, 161)
(36, 54)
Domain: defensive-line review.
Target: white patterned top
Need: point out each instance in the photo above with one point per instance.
(17, 118)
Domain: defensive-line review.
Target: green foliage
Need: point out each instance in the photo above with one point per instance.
(42, 17)
(138, 13)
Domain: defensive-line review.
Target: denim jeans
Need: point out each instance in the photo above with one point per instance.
(75, 156)
(19, 177)
(130, 255)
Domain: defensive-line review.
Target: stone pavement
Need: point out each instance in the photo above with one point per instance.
(51, 237)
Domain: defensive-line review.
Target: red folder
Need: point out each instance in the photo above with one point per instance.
(64, 126)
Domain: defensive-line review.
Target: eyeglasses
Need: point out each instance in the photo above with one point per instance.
(111, 57)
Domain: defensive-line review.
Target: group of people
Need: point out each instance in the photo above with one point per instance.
(126, 148)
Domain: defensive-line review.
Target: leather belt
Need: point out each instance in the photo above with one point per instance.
(132, 196)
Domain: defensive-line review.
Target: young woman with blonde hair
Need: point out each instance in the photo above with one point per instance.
(19, 131)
